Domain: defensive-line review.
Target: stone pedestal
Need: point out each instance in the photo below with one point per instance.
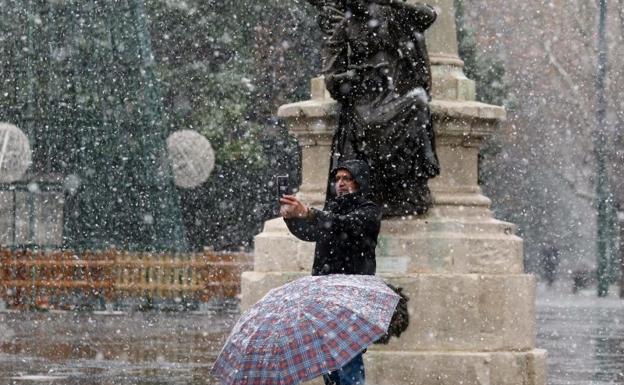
(472, 311)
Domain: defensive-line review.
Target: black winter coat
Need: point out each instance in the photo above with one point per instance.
(345, 233)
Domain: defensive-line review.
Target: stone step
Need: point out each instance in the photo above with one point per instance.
(459, 312)
(470, 225)
(409, 246)
(453, 368)
(450, 252)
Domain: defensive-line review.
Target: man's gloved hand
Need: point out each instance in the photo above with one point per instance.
(291, 207)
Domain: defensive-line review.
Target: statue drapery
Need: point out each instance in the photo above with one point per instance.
(376, 66)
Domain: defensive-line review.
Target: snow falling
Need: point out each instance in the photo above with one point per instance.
(140, 144)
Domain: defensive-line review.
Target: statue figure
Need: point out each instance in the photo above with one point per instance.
(376, 66)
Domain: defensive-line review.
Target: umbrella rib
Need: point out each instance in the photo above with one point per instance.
(357, 310)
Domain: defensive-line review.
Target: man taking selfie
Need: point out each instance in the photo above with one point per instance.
(345, 232)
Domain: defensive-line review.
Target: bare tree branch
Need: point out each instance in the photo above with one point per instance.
(581, 25)
(577, 98)
(621, 14)
(573, 185)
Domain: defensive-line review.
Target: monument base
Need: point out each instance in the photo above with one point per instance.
(453, 368)
(448, 312)
(276, 249)
(447, 367)
(440, 336)
(472, 310)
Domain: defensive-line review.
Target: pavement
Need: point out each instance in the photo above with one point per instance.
(584, 336)
(133, 348)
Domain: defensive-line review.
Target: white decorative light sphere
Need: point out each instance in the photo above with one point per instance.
(15, 153)
(191, 156)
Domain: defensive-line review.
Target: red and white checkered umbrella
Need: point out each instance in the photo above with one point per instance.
(304, 329)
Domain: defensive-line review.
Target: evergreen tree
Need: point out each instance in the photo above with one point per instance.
(487, 71)
(82, 73)
(228, 66)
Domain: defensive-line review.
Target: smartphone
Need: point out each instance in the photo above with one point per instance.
(283, 187)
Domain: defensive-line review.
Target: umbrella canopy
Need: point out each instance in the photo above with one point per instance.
(304, 329)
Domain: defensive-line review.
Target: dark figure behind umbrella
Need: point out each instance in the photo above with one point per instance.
(400, 317)
(376, 65)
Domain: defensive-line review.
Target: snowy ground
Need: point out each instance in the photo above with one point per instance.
(584, 336)
(106, 348)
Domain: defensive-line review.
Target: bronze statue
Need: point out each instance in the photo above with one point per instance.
(376, 66)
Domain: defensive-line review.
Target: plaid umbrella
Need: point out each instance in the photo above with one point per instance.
(304, 329)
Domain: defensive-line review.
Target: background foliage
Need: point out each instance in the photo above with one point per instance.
(98, 86)
(228, 65)
(78, 77)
